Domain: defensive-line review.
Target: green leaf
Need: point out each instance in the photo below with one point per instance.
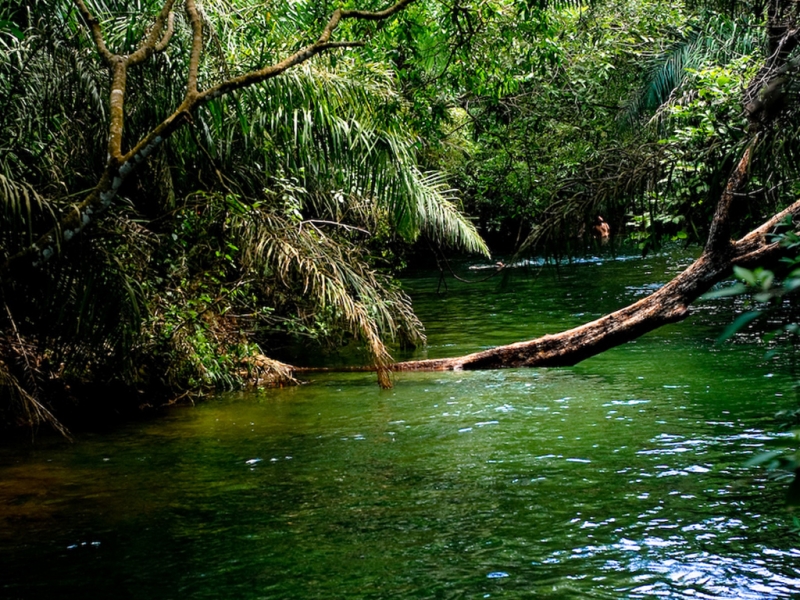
(763, 458)
(734, 290)
(740, 322)
(745, 275)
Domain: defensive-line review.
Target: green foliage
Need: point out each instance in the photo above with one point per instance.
(545, 151)
(783, 466)
(700, 41)
(705, 130)
(764, 288)
(707, 126)
(766, 295)
(276, 211)
(630, 109)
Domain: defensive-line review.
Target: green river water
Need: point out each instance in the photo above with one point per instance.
(621, 477)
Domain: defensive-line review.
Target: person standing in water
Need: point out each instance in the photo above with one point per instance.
(600, 230)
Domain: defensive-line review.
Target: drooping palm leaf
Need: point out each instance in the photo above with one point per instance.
(717, 39)
(329, 274)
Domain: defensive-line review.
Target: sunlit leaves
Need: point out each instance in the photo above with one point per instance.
(323, 162)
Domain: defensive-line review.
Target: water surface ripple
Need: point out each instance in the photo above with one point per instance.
(622, 477)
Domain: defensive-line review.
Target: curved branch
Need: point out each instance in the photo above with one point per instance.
(363, 15)
(321, 45)
(379, 15)
(197, 48)
(162, 44)
(330, 45)
(97, 33)
(754, 249)
(119, 166)
(153, 42)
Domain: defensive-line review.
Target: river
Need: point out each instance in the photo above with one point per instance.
(621, 477)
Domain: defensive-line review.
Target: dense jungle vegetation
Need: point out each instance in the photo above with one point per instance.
(187, 187)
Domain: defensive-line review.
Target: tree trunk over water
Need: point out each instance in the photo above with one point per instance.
(669, 304)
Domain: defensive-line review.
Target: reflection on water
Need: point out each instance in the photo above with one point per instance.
(620, 477)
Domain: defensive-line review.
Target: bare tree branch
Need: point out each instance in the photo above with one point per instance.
(97, 32)
(119, 166)
(197, 48)
(162, 44)
(150, 44)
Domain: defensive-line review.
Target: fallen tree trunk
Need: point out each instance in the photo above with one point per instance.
(669, 304)
(672, 302)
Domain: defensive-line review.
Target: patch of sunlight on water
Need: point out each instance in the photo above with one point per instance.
(620, 477)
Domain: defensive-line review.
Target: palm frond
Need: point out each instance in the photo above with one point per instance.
(22, 206)
(19, 405)
(437, 214)
(330, 275)
(342, 143)
(715, 40)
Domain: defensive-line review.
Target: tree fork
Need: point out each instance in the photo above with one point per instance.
(120, 165)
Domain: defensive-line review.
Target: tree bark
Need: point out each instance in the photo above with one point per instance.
(669, 304)
(120, 164)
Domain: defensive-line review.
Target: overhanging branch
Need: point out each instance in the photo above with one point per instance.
(120, 165)
(96, 31)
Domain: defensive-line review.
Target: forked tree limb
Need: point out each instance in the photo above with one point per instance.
(155, 41)
(121, 164)
(96, 31)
